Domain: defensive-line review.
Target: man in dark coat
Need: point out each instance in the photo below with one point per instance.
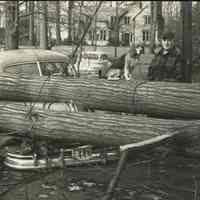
(167, 64)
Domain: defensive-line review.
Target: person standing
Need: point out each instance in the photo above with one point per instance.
(124, 66)
(167, 63)
(131, 63)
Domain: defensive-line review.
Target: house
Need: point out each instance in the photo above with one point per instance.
(134, 26)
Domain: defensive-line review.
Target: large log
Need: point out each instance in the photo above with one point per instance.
(162, 99)
(92, 128)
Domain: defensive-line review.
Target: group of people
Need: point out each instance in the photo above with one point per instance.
(165, 66)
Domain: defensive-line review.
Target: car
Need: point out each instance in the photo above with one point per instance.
(93, 63)
(33, 62)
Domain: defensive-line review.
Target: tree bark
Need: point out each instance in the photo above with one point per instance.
(70, 7)
(153, 22)
(116, 28)
(186, 7)
(31, 23)
(38, 23)
(157, 21)
(93, 128)
(58, 36)
(160, 99)
(12, 25)
(43, 26)
(160, 20)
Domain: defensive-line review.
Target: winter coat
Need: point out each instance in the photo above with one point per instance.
(166, 66)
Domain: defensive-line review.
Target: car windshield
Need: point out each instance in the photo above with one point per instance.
(53, 68)
(90, 56)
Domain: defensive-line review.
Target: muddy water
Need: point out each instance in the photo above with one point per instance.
(174, 177)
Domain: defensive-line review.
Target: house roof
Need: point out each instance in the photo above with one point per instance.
(105, 12)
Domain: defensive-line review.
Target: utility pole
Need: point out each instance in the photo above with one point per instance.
(186, 8)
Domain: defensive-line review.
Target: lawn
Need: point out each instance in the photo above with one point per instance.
(107, 49)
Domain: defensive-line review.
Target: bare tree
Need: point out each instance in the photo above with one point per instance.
(198, 15)
(58, 35)
(160, 19)
(43, 25)
(115, 25)
(31, 22)
(12, 25)
(70, 7)
(116, 28)
(186, 8)
(157, 22)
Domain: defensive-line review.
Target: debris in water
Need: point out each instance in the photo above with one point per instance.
(52, 187)
(74, 187)
(89, 184)
(43, 196)
(151, 197)
(52, 193)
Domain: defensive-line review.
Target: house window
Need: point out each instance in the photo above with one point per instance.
(126, 20)
(146, 35)
(90, 35)
(102, 35)
(113, 18)
(147, 19)
(62, 20)
(131, 37)
(94, 35)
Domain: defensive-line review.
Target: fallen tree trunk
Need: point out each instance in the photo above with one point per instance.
(93, 128)
(161, 99)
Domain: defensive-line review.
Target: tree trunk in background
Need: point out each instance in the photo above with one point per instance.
(160, 20)
(31, 23)
(38, 23)
(153, 22)
(93, 128)
(26, 7)
(116, 28)
(12, 25)
(160, 99)
(43, 26)
(187, 39)
(198, 25)
(58, 33)
(157, 22)
(70, 7)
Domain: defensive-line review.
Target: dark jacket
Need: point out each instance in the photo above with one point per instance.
(166, 67)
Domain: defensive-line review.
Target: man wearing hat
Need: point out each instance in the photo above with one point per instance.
(166, 66)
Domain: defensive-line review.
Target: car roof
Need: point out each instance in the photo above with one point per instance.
(20, 56)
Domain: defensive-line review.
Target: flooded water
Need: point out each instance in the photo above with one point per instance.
(173, 177)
